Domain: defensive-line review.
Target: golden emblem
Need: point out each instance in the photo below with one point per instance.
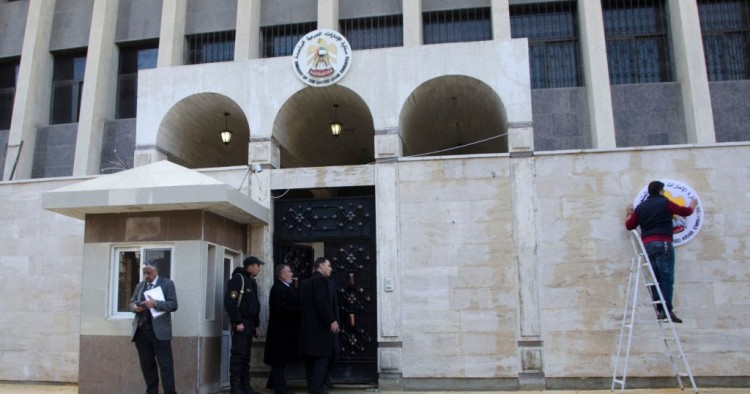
(233, 294)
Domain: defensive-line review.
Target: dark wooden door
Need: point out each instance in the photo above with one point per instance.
(346, 228)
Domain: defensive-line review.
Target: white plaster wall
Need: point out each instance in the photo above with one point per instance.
(41, 256)
(261, 86)
(458, 273)
(584, 258)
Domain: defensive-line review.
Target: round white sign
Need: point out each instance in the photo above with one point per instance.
(679, 193)
(322, 57)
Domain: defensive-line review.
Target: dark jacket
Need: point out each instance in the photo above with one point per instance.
(319, 308)
(162, 325)
(249, 307)
(654, 216)
(282, 340)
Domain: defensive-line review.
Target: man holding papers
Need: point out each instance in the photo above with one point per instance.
(153, 301)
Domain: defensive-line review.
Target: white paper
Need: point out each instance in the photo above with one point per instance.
(155, 294)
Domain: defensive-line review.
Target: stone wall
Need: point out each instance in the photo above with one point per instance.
(457, 270)
(41, 256)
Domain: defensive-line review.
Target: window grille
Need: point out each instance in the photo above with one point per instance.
(552, 31)
(637, 35)
(8, 80)
(212, 47)
(725, 25)
(132, 59)
(470, 24)
(67, 88)
(375, 32)
(280, 40)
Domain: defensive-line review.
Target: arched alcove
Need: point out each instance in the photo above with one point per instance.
(453, 111)
(189, 133)
(302, 129)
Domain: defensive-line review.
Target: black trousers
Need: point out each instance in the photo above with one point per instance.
(315, 374)
(151, 352)
(239, 359)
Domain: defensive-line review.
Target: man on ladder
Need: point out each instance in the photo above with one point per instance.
(654, 216)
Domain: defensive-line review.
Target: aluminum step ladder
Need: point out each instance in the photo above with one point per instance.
(641, 272)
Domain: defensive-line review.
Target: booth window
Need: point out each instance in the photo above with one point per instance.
(127, 272)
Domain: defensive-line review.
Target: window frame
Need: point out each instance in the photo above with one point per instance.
(550, 45)
(74, 83)
(10, 91)
(453, 26)
(714, 34)
(131, 77)
(114, 283)
(636, 40)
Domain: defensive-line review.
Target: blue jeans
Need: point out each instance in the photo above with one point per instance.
(661, 256)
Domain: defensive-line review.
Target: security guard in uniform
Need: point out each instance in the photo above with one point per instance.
(243, 307)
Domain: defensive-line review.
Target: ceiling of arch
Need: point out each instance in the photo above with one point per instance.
(451, 111)
(189, 133)
(302, 129)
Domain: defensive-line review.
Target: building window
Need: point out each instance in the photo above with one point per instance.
(132, 59)
(637, 41)
(552, 31)
(67, 87)
(210, 47)
(725, 25)
(127, 272)
(374, 32)
(276, 41)
(470, 24)
(8, 81)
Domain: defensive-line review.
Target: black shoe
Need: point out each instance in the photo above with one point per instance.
(328, 384)
(660, 315)
(674, 318)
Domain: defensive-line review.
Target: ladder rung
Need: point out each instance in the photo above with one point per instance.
(617, 381)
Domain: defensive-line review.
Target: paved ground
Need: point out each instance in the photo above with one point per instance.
(69, 389)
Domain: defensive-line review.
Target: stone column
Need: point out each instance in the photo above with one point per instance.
(99, 87)
(690, 65)
(500, 20)
(265, 153)
(596, 75)
(31, 104)
(412, 14)
(388, 147)
(247, 31)
(523, 172)
(172, 33)
(328, 14)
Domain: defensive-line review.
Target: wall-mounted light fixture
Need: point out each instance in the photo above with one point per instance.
(336, 126)
(226, 134)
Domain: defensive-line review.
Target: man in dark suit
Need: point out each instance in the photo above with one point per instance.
(282, 338)
(319, 327)
(152, 335)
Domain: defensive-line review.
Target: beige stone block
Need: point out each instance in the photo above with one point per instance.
(389, 359)
(420, 322)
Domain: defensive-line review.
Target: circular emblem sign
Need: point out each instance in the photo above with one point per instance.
(322, 57)
(679, 193)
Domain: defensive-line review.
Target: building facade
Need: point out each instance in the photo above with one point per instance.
(472, 201)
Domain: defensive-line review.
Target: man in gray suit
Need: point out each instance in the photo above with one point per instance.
(152, 335)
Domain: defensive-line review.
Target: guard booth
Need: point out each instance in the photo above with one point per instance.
(197, 227)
